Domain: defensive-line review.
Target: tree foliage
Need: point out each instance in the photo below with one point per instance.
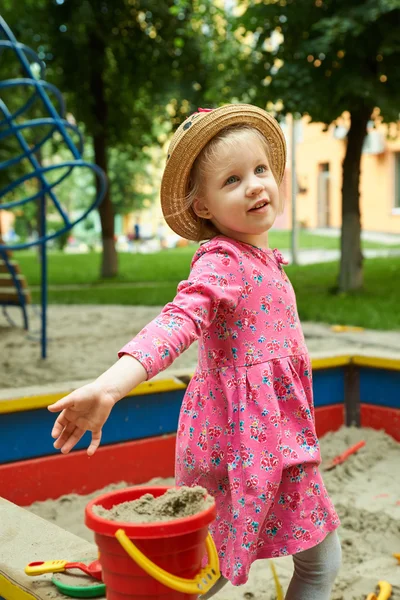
(119, 63)
(322, 58)
(333, 55)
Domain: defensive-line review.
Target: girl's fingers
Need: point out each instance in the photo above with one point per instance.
(95, 443)
(73, 439)
(60, 424)
(64, 435)
(66, 402)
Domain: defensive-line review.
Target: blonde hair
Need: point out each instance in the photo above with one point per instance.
(225, 140)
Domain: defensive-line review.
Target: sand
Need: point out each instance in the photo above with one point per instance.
(366, 492)
(83, 341)
(174, 504)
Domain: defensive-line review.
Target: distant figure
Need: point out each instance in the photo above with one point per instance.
(136, 231)
(136, 237)
(11, 236)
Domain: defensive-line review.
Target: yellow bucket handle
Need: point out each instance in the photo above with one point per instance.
(203, 581)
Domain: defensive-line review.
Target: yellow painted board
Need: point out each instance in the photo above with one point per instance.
(12, 591)
(377, 362)
(42, 401)
(331, 361)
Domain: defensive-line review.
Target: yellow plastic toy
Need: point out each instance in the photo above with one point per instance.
(205, 579)
(58, 566)
(385, 591)
(278, 587)
(346, 329)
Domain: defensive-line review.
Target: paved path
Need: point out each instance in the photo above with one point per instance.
(368, 236)
(311, 257)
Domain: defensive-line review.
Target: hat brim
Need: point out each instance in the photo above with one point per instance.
(191, 141)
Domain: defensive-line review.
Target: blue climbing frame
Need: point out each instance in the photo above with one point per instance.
(10, 127)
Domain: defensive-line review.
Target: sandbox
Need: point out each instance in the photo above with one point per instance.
(366, 493)
(139, 445)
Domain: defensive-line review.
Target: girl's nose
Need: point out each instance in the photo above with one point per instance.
(254, 188)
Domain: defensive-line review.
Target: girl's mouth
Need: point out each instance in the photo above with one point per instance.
(259, 207)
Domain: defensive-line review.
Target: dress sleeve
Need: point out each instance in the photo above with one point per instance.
(214, 285)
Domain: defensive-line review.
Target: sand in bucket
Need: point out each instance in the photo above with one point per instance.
(176, 503)
(168, 525)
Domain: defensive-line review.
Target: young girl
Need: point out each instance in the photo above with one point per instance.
(246, 430)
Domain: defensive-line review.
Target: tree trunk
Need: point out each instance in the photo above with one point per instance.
(109, 263)
(351, 261)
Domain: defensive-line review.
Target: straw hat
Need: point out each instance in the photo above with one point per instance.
(189, 140)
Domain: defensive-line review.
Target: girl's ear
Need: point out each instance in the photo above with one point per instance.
(200, 208)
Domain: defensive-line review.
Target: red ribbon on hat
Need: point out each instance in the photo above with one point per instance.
(204, 109)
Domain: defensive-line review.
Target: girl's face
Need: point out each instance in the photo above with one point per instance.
(239, 194)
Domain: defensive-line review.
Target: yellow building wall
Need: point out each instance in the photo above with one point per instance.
(378, 191)
(377, 185)
(6, 220)
(317, 147)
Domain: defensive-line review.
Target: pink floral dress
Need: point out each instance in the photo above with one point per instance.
(246, 430)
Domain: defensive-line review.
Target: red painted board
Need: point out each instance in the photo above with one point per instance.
(27, 481)
(380, 417)
(329, 418)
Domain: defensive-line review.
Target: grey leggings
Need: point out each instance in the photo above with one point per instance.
(315, 571)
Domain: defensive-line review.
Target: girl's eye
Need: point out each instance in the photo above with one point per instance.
(261, 169)
(231, 179)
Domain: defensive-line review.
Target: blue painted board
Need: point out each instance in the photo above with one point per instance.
(380, 387)
(26, 434)
(328, 386)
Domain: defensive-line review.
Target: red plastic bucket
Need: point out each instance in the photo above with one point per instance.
(177, 546)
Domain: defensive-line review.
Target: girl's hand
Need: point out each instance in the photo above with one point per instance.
(85, 409)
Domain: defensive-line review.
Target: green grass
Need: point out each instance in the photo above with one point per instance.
(374, 308)
(151, 280)
(172, 266)
(136, 295)
(64, 269)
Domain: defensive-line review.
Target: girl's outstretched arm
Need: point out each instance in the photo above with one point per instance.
(88, 407)
(215, 281)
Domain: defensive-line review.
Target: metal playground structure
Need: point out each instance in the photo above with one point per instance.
(14, 123)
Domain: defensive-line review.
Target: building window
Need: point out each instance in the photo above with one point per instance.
(397, 180)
